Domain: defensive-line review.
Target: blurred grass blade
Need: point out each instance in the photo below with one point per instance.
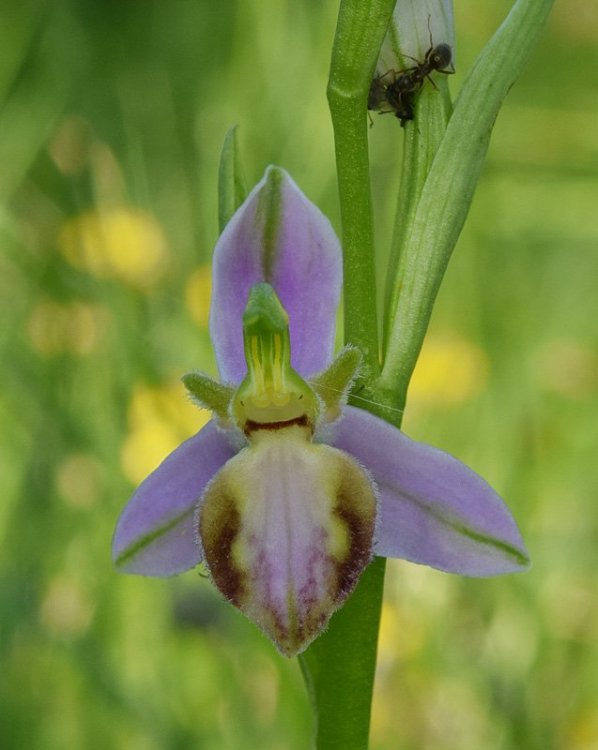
(232, 186)
(46, 60)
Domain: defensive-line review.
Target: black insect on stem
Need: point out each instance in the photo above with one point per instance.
(399, 95)
(388, 97)
(437, 59)
(377, 92)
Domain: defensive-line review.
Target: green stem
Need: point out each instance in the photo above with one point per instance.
(339, 666)
(360, 31)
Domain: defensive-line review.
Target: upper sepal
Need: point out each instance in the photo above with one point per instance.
(280, 237)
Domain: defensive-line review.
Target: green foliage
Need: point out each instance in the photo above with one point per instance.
(444, 177)
(232, 186)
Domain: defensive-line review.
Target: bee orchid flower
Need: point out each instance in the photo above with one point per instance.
(288, 492)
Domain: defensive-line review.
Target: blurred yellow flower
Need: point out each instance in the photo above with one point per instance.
(119, 243)
(159, 419)
(78, 480)
(449, 372)
(197, 295)
(569, 368)
(66, 609)
(401, 637)
(71, 144)
(583, 732)
(72, 327)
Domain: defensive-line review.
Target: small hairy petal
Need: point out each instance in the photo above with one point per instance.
(287, 528)
(433, 509)
(280, 237)
(155, 533)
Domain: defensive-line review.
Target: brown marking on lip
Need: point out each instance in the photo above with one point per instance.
(251, 426)
(358, 517)
(219, 526)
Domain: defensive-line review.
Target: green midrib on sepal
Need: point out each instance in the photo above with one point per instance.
(144, 541)
(270, 208)
(477, 536)
(508, 549)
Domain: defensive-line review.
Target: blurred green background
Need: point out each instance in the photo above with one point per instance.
(112, 116)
